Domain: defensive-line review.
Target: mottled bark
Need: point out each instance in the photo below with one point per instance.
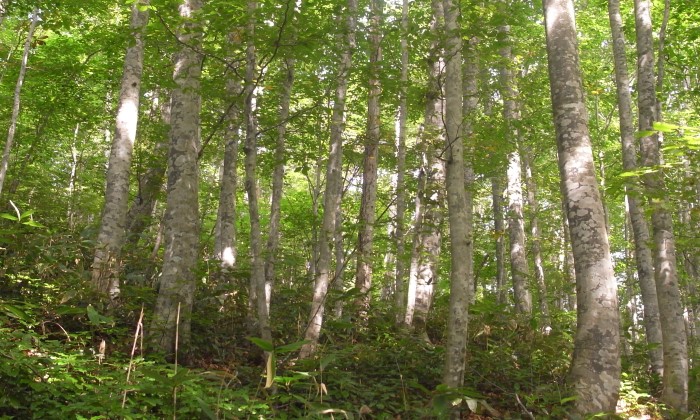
(675, 376)
(363, 272)
(459, 203)
(640, 229)
(400, 229)
(181, 220)
(225, 249)
(520, 272)
(334, 179)
(106, 263)
(595, 368)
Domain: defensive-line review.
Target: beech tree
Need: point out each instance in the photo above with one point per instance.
(105, 267)
(675, 376)
(595, 369)
(171, 318)
(333, 191)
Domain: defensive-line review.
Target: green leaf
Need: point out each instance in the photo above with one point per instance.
(9, 217)
(288, 348)
(26, 214)
(665, 127)
(16, 312)
(646, 133)
(263, 344)
(32, 223)
(96, 318)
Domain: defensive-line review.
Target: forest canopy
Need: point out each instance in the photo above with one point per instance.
(349, 209)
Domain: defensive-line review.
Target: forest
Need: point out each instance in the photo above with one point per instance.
(349, 209)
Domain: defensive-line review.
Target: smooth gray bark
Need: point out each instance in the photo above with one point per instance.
(363, 272)
(257, 274)
(640, 228)
(400, 229)
(459, 203)
(106, 264)
(17, 98)
(675, 376)
(181, 221)
(274, 235)
(428, 217)
(595, 368)
(225, 249)
(516, 222)
(334, 180)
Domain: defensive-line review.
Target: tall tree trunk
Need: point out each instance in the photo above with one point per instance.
(17, 99)
(675, 376)
(333, 184)
(363, 273)
(273, 238)
(459, 203)
(257, 274)
(181, 220)
(225, 249)
(595, 369)
(533, 207)
(400, 230)
(428, 217)
(516, 223)
(106, 264)
(640, 229)
(499, 234)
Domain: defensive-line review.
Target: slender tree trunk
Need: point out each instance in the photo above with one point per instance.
(315, 190)
(429, 201)
(273, 239)
(17, 99)
(499, 234)
(418, 214)
(106, 264)
(516, 223)
(675, 376)
(400, 230)
(181, 220)
(150, 183)
(459, 203)
(257, 275)
(225, 249)
(533, 206)
(75, 160)
(338, 282)
(363, 273)
(333, 184)
(595, 369)
(640, 229)
(274, 236)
